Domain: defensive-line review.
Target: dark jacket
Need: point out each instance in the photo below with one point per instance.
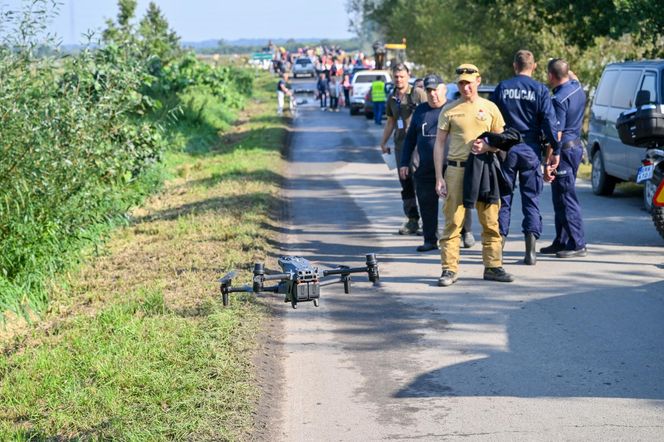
(483, 178)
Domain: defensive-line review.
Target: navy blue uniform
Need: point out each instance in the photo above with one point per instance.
(422, 134)
(569, 102)
(526, 107)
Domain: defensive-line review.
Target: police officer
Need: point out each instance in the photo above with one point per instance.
(526, 107)
(569, 103)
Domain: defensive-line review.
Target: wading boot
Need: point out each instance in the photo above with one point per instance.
(531, 250)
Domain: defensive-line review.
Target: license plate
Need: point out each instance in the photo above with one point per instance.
(644, 173)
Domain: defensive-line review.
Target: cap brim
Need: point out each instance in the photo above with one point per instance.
(467, 77)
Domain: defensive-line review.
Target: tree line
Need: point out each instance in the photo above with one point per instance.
(442, 34)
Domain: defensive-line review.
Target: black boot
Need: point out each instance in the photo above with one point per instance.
(531, 247)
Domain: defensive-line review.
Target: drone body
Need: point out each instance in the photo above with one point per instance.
(300, 281)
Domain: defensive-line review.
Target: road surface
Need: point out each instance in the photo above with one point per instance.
(573, 349)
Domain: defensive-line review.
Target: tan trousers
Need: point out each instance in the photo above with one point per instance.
(450, 241)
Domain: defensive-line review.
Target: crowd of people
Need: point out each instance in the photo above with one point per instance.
(472, 152)
(334, 68)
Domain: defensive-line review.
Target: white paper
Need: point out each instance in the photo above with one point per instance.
(390, 160)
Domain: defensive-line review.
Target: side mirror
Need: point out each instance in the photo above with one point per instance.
(642, 97)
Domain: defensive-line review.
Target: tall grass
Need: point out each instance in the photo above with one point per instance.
(81, 138)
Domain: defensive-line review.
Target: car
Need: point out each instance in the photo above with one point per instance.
(303, 66)
(484, 91)
(612, 161)
(361, 84)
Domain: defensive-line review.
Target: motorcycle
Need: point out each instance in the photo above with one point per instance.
(643, 126)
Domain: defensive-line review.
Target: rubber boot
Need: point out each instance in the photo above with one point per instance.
(531, 247)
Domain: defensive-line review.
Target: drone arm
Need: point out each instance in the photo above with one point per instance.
(330, 282)
(344, 271)
(278, 277)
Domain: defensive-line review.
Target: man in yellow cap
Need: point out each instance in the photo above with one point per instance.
(462, 122)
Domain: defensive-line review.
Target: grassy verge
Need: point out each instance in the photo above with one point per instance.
(135, 345)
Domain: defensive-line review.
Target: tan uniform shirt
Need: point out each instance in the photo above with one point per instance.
(465, 121)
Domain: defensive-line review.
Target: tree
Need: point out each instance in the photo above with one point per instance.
(156, 36)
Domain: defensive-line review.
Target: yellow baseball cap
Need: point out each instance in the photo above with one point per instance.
(467, 72)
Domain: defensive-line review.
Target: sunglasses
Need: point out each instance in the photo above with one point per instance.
(460, 71)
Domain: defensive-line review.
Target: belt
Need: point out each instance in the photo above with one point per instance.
(570, 144)
(456, 163)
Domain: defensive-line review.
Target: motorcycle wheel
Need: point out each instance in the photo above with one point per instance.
(658, 219)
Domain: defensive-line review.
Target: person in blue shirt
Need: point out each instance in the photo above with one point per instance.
(526, 106)
(569, 102)
(421, 134)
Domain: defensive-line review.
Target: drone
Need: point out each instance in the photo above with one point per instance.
(300, 281)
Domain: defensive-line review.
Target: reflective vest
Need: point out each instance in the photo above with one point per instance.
(378, 90)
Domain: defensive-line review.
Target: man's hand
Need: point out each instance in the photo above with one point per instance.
(554, 161)
(549, 174)
(441, 188)
(480, 147)
(385, 149)
(403, 173)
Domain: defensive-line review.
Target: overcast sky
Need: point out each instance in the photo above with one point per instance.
(196, 20)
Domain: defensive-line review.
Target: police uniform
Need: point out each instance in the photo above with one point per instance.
(526, 107)
(569, 102)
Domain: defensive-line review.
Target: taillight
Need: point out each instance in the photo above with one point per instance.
(646, 162)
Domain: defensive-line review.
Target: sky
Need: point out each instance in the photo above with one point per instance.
(197, 20)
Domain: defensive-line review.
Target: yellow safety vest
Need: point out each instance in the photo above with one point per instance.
(378, 91)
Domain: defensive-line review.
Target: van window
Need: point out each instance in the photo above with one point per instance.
(649, 84)
(369, 78)
(605, 89)
(625, 89)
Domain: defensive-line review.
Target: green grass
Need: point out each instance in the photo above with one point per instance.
(135, 370)
(135, 345)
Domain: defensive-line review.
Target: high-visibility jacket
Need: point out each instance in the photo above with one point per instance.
(378, 91)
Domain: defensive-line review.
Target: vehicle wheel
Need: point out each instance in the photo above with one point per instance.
(353, 111)
(658, 219)
(649, 190)
(602, 183)
(368, 116)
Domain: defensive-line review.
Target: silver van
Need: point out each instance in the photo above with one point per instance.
(613, 161)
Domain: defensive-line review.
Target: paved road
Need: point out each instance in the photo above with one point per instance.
(574, 349)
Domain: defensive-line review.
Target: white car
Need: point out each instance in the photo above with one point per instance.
(361, 84)
(303, 66)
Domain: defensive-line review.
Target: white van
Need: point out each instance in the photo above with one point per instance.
(360, 85)
(613, 161)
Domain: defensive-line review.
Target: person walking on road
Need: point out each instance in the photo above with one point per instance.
(421, 135)
(463, 121)
(526, 107)
(378, 99)
(569, 102)
(323, 90)
(400, 106)
(335, 92)
(283, 89)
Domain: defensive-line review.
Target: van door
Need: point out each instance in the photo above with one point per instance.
(624, 94)
(598, 110)
(636, 154)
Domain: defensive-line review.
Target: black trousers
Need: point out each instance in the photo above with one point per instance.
(409, 198)
(427, 199)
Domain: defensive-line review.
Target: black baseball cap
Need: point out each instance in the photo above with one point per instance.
(432, 81)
